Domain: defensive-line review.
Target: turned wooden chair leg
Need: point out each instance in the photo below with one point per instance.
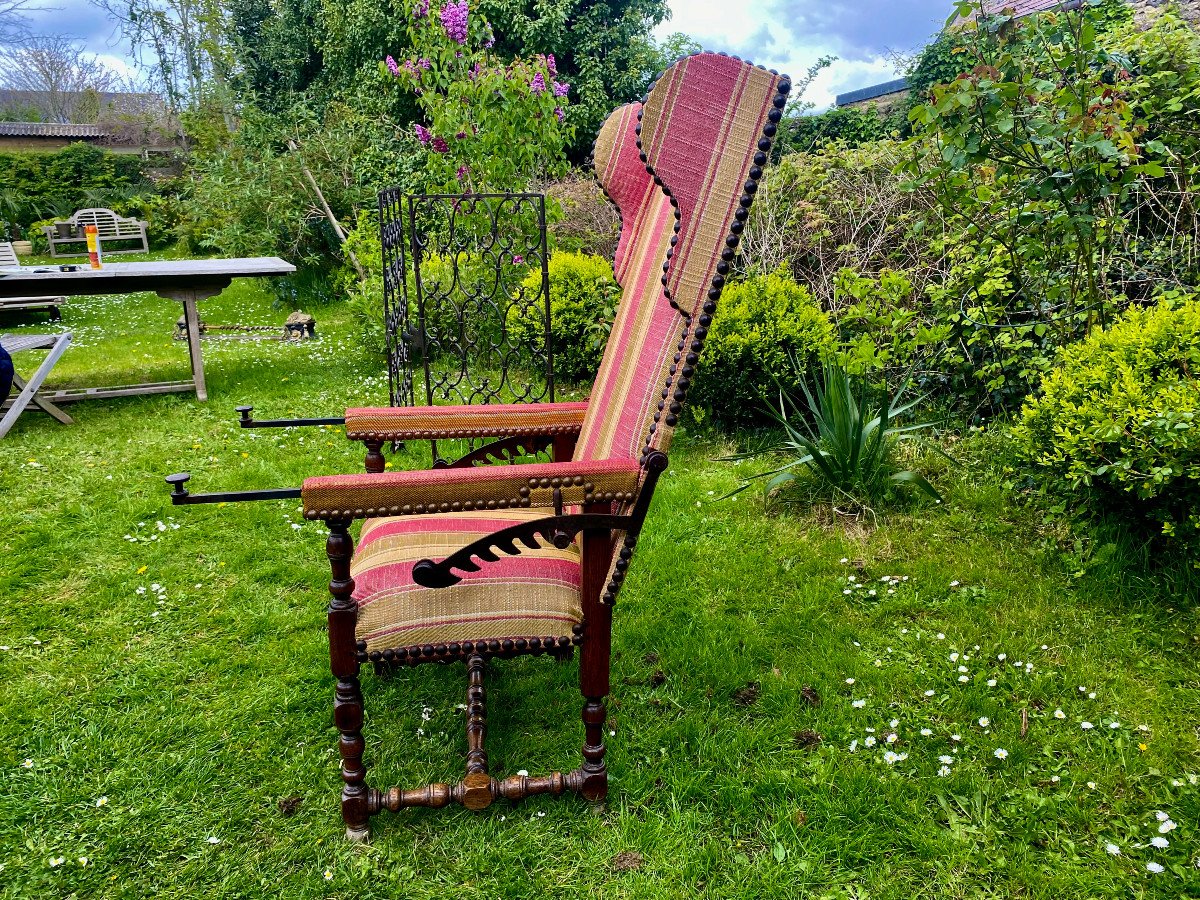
(348, 701)
(594, 654)
(374, 461)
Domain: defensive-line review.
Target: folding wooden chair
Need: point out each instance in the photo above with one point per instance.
(28, 390)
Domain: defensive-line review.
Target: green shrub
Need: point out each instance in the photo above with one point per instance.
(1119, 416)
(583, 300)
(762, 325)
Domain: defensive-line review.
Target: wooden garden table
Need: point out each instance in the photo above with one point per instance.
(185, 280)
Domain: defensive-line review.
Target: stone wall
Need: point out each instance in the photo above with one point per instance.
(1189, 9)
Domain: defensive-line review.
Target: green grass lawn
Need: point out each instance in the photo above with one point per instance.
(934, 707)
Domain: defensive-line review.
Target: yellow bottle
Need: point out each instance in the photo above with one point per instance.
(93, 245)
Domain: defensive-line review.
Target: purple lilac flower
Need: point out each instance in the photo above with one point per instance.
(518, 259)
(454, 20)
(423, 63)
(423, 134)
(558, 111)
(392, 67)
(475, 71)
(440, 145)
(462, 172)
(551, 65)
(421, 10)
(538, 84)
(460, 135)
(489, 43)
(561, 88)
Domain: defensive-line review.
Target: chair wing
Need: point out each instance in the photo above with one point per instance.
(683, 168)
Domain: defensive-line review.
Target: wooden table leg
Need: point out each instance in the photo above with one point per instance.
(192, 320)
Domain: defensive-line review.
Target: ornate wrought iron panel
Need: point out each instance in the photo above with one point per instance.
(394, 239)
(478, 327)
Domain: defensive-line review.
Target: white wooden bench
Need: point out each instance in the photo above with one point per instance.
(110, 228)
(8, 258)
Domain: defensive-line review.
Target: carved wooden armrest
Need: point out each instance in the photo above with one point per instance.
(551, 485)
(444, 422)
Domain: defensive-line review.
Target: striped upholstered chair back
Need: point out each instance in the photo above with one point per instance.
(681, 168)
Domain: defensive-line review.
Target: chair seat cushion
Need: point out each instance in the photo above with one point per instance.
(535, 594)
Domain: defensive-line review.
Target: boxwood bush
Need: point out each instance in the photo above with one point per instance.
(583, 300)
(1119, 417)
(762, 325)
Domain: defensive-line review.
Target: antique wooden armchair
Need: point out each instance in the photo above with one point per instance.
(472, 562)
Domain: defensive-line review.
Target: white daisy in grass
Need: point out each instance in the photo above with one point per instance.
(328, 875)
(56, 861)
(925, 732)
(1154, 868)
(28, 764)
(1114, 725)
(984, 721)
(858, 704)
(849, 681)
(1059, 714)
(892, 738)
(956, 737)
(854, 745)
(1112, 849)
(1166, 827)
(1160, 842)
(941, 636)
(963, 679)
(869, 742)
(1002, 656)
(892, 758)
(895, 723)
(1086, 726)
(953, 657)
(991, 682)
(1161, 816)
(929, 693)
(943, 771)
(963, 669)
(1000, 753)
(946, 760)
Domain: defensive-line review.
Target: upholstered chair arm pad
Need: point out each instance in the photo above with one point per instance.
(437, 422)
(462, 490)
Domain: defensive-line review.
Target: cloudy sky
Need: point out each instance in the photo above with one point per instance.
(788, 35)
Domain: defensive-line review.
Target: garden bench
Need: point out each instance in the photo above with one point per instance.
(110, 228)
(8, 257)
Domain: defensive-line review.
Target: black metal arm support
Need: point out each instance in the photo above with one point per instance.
(181, 497)
(248, 421)
(558, 530)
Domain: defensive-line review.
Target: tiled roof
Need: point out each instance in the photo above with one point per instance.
(50, 129)
(870, 93)
(1021, 8)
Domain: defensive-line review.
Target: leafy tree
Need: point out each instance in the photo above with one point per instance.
(849, 125)
(489, 125)
(602, 48)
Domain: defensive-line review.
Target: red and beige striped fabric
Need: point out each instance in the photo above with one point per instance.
(700, 132)
(407, 423)
(535, 594)
(646, 328)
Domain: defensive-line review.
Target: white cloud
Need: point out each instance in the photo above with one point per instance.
(791, 35)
